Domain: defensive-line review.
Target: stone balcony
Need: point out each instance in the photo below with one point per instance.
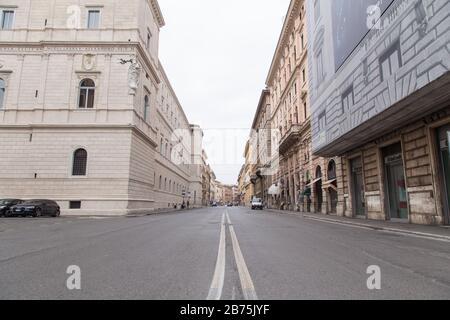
(290, 137)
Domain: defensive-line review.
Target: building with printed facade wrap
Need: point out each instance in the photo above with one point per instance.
(379, 92)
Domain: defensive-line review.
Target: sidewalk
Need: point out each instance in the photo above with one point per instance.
(161, 211)
(435, 232)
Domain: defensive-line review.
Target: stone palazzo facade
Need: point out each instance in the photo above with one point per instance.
(87, 114)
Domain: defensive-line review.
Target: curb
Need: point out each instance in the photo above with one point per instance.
(380, 228)
(156, 212)
(364, 225)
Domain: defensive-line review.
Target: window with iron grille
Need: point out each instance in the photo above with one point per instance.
(79, 162)
(75, 205)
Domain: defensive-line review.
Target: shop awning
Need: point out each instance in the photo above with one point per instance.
(330, 184)
(314, 182)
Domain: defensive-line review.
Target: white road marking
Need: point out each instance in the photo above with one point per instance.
(215, 292)
(248, 289)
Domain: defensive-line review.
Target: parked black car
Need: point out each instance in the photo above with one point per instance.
(6, 204)
(35, 208)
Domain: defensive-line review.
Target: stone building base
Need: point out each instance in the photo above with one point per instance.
(423, 196)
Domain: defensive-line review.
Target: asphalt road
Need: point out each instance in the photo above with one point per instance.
(181, 256)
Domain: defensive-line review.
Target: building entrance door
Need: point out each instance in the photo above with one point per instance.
(318, 190)
(358, 200)
(444, 153)
(397, 202)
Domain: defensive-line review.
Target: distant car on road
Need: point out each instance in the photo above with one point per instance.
(257, 204)
(229, 205)
(35, 208)
(214, 204)
(6, 204)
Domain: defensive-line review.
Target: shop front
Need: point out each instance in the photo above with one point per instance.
(444, 162)
(396, 196)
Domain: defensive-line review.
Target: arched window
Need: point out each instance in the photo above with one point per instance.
(2, 92)
(87, 94)
(318, 172)
(146, 107)
(79, 162)
(160, 182)
(170, 185)
(331, 170)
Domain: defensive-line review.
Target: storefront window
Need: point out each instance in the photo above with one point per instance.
(444, 150)
(395, 183)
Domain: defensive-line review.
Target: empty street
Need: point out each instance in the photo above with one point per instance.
(216, 253)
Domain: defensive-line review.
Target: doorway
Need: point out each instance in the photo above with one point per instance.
(358, 200)
(332, 190)
(318, 190)
(395, 183)
(444, 156)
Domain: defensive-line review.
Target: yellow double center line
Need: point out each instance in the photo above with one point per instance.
(247, 286)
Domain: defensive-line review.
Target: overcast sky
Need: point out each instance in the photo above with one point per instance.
(217, 55)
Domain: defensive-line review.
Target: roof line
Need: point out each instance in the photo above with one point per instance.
(281, 38)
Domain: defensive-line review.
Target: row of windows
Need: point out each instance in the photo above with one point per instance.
(79, 168)
(171, 186)
(85, 99)
(92, 21)
(86, 96)
(171, 115)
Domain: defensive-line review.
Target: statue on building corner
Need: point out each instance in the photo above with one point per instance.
(134, 73)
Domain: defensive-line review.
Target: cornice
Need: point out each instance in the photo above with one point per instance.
(287, 87)
(45, 47)
(157, 13)
(66, 46)
(288, 23)
(164, 164)
(174, 95)
(81, 126)
(264, 93)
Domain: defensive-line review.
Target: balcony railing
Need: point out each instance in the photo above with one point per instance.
(290, 137)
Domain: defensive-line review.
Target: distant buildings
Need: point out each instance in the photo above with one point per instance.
(245, 185)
